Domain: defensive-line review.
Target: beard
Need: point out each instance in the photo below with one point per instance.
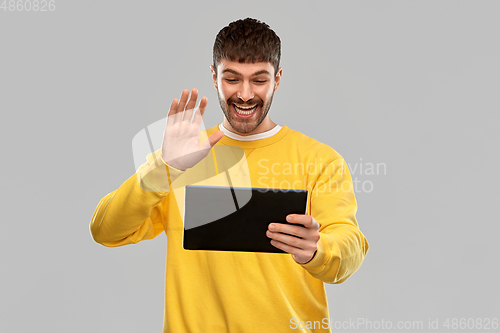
(242, 125)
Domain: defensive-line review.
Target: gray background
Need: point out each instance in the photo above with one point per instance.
(411, 84)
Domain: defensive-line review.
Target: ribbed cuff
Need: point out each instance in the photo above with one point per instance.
(157, 176)
(323, 255)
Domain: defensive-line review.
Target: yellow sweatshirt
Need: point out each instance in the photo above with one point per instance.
(218, 291)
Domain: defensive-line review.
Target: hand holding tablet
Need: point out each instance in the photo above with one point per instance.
(300, 240)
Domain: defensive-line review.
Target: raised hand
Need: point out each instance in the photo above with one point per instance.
(181, 147)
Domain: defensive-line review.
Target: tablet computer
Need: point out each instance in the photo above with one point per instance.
(236, 219)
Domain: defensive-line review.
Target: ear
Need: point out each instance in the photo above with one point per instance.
(214, 76)
(279, 73)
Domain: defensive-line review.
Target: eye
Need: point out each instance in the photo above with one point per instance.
(260, 81)
(231, 80)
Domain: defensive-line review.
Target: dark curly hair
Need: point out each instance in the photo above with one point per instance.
(247, 40)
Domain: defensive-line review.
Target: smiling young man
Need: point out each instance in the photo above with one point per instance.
(220, 291)
(245, 92)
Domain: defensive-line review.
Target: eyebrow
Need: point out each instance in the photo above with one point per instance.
(228, 70)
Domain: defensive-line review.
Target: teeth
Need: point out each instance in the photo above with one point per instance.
(245, 110)
(245, 107)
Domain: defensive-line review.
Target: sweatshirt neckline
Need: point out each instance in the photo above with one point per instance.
(254, 143)
(251, 137)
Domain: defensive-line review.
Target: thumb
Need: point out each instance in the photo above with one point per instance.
(213, 139)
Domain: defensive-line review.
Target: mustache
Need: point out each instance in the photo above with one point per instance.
(239, 101)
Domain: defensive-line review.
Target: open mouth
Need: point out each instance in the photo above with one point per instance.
(244, 111)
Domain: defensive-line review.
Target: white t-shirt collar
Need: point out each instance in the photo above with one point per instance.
(250, 137)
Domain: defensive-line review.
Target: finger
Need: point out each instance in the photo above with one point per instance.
(198, 116)
(179, 109)
(298, 230)
(183, 100)
(171, 112)
(288, 249)
(203, 105)
(192, 101)
(306, 220)
(188, 113)
(296, 244)
(289, 240)
(173, 107)
(300, 256)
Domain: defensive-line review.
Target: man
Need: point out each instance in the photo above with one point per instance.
(219, 291)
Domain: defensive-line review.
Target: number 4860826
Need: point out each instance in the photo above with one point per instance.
(28, 5)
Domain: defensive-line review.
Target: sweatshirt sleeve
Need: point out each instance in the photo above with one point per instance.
(342, 246)
(133, 212)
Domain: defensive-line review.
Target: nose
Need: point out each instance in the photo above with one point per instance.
(245, 93)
